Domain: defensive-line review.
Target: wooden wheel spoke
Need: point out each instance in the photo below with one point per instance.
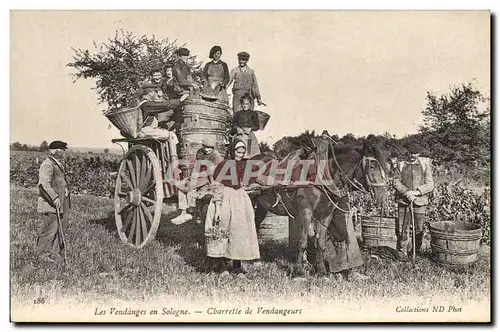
(127, 222)
(125, 207)
(143, 224)
(126, 178)
(144, 165)
(145, 199)
(147, 177)
(132, 229)
(138, 228)
(131, 173)
(137, 171)
(150, 187)
(147, 213)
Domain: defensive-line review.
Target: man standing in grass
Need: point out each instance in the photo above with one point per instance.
(413, 185)
(53, 196)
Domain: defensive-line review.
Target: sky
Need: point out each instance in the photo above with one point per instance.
(357, 72)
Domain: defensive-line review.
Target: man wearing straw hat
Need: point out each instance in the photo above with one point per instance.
(190, 187)
(53, 198)
(413, 184)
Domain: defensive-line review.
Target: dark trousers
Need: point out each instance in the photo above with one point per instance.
(49, 242)
(403, 223)
(160, 106)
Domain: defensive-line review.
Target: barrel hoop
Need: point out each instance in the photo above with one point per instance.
(455, 236)
(200, 131)
(378, 226)
(379, 237)
(205, 116)
(453, 252)
(192, 131)
(206, 104)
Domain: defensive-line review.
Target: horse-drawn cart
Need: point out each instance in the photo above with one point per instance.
(145, 180)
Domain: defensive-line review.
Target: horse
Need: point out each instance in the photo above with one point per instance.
(351, 168)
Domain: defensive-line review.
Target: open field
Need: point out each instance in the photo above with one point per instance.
(171, 272)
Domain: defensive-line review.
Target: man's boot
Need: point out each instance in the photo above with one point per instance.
(182, 218)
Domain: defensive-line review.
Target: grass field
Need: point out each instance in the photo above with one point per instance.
(170, 272)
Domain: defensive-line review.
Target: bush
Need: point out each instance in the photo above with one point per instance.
(86, 173)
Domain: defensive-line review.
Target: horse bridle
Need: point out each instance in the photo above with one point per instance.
(363, 162)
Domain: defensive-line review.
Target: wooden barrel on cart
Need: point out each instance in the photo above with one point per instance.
(378, 231)
(274, 228)
(455, 243)
(200, 119)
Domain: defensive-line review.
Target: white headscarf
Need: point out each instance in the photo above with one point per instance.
(239, 145)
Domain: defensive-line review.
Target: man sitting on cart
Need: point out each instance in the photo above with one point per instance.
(158, 107)
(191, 187)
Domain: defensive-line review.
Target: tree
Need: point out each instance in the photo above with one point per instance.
(455, 127)
(106, 151)
(44, 146)
(349, 139)
(119, 65)
(264, 147)
(17, 146)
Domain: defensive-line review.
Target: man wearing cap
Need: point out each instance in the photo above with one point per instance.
(245, 82)
(190, 187)
(53, 196)
(182, 71)
(413, 184)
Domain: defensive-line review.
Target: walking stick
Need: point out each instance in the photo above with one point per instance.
(413, 232)
(59, 226)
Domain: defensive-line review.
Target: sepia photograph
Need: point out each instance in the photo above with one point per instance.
(305, 166)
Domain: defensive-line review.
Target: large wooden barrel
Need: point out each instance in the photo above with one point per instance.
(200, 119)
(455, 243)
(273, 228)
(378, 231)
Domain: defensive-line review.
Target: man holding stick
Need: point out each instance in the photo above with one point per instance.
(413, 185)
(53, 204)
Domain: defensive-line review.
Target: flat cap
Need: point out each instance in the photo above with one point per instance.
(414, 149)
(182, 51)
(209, 142)
(169, 65)
(243, 55)
(58, 145)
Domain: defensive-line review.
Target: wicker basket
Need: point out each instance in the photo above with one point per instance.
(128, 120)
(263, 118)
(216, 245)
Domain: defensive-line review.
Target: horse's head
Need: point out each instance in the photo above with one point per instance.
(372, 172)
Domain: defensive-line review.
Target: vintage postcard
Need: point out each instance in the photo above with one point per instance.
(250, 166)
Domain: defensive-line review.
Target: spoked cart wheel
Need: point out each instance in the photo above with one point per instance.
(138, 197)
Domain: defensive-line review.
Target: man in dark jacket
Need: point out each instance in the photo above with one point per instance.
(53, 194)
(413, 185)
(182, 71)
